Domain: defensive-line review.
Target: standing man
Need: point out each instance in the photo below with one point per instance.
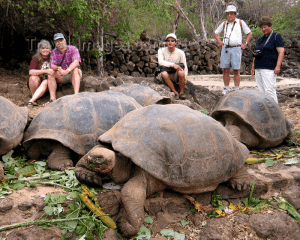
(169, 58)
(232, 46)
(64, 60)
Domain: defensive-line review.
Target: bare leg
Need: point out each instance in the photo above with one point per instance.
(34, 83)
(168, 81)
(39, 91)
(75, 76)
(182, 81)
(52, 84)
(226, 76)
(237, 78)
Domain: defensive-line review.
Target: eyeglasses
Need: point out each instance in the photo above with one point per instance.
(230, 13)
(170, 40)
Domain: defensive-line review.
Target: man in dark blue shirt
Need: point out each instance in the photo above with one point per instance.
(268, 57)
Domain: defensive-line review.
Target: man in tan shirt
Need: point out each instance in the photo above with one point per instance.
(168, 57)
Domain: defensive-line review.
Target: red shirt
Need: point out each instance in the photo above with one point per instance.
(35, 64)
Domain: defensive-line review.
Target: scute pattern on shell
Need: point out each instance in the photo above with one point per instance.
(78, 120)
(142, 94)
(13, 120)
(259, 111)
(177, 145)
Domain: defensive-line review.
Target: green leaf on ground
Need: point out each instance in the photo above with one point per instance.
(148, 219)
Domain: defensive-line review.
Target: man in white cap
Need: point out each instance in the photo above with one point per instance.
(65, 61)
(232, 46)
(169, 58)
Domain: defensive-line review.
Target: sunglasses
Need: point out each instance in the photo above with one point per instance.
(170, 40)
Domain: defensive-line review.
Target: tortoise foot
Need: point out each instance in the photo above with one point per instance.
(61, 165)
(87, 177)
(126, 228)
(241, 180)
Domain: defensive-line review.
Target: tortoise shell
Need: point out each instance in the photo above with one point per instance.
(13, 120)
(177, 145)
(259, 112)
(78, 120)
(142, 94)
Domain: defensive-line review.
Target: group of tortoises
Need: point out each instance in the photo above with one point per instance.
(147, 147)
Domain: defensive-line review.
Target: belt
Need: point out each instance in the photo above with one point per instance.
(231, 46)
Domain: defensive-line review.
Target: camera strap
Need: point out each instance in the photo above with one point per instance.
(267, 40)
(230, 32)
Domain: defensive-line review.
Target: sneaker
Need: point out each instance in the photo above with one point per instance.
(225, 91)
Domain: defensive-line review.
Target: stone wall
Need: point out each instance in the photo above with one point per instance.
(203, 57)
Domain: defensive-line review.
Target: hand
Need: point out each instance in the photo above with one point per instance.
(63, 72)
(252, 71)
(50, 71)
(177, 67)
(243, 46)
(277, 70)
(221, 44)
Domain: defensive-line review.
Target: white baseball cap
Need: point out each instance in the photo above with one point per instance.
(171, 35)
(231, 8)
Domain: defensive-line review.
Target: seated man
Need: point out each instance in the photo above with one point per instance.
(171, 56)
(64, 60)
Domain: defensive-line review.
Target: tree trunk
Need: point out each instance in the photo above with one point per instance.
(186, 20)
(201, 18)
(100, 68)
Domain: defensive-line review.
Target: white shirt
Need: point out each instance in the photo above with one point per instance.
(167, 59)
(233, 31)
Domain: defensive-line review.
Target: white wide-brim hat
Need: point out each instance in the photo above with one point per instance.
(231, 8)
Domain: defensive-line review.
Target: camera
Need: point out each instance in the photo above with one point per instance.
(257, 54)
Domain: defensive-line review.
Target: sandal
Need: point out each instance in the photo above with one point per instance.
(176, 97)
(31, 104)
(47, 103)
(182, 96)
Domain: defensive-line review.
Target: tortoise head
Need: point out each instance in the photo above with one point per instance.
(240, 130)
(101, 160)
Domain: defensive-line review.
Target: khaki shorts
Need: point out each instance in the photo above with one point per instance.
(67, 78)
(173, 77)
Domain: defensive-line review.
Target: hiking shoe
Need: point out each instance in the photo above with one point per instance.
(225, 91)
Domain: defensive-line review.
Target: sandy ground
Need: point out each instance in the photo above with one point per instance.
(215, 82)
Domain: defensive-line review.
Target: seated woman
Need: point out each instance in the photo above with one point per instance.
(39, 70)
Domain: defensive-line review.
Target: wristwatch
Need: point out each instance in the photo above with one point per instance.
(69, 69)
(246, 43)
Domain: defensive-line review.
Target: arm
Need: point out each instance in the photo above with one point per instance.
(161, 60)
(72, 66)
(280, 51)
(248, 38)
(36, 72)
(217, 37)
(253, 67)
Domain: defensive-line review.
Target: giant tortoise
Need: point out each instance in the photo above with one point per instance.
(13, 120)
(69, 127)
(159, 147)
(142, 94)
(253, 118)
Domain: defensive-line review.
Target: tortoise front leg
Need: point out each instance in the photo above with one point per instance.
(2, 176)
(133, 196)
(60, 158)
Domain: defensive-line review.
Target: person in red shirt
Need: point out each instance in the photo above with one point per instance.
(39, 70)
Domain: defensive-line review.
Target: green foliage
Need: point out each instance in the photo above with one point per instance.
(173, 234)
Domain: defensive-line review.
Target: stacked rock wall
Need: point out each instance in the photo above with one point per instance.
(140, 59)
